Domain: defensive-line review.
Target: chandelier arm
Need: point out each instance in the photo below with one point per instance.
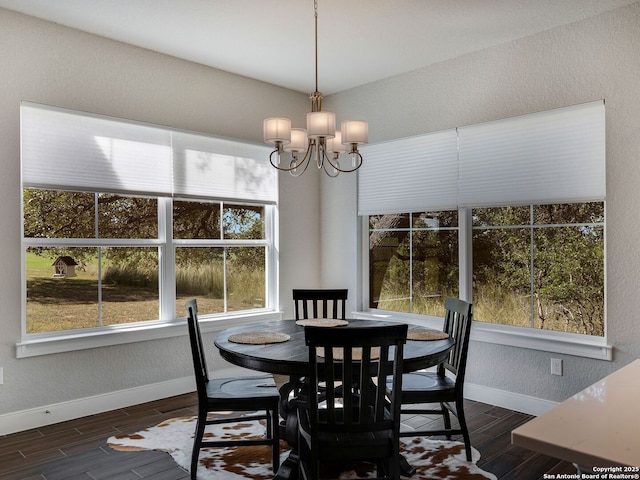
(326, 160)
(330, 174)
(274, 165)
(304, 163)
(336, 166)
(321, 155)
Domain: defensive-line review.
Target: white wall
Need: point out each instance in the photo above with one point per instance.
(592, 59)
(47, 63)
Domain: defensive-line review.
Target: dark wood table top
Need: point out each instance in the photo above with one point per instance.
(292, 357)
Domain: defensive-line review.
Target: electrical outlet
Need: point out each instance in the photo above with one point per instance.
(556, 366)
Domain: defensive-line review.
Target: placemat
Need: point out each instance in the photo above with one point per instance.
(356, 353)
(259, 338)
(426, 334)
(322, 322)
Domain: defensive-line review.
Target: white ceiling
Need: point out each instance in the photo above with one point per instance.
(360, 41)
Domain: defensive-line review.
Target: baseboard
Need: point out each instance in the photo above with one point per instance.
(60, 412)
(81, 407)
(505, 399)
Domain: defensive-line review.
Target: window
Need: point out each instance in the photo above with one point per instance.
(540, 266)
(413, 261)
(123, 222)
(532, 266)
(111, 241)
(221, 255)
(509, 214)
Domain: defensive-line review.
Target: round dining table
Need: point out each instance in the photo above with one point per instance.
(283, 352)
(291, 357)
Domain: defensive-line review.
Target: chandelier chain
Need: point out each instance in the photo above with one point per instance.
(315, 14)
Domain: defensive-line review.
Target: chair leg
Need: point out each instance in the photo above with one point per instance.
(305, 466)
(315, 466)
(388, 468)
(463, 426)
(273, 431)
(197, 441)
(447, 419)
(394, 470)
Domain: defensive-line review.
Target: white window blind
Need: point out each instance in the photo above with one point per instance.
(409, 174)
(69, 150)
(215, 167)
(62, 149)
(556, 156)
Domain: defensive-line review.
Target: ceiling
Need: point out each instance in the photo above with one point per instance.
(360, 41)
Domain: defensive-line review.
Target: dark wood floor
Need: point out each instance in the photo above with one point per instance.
(77, 449)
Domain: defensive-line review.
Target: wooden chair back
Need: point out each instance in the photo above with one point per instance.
(197, 352)
(357, 375)
(320, 303)
(457, 323)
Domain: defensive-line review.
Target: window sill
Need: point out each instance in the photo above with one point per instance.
(95, 338)
(547, 341)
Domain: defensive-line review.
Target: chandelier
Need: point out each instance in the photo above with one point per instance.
(296, 147)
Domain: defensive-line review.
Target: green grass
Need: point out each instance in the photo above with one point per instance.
(490, 304)
(36, 262)
(129, 294)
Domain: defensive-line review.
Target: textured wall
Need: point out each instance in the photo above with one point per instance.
(46, 63)
(588, 60)
(595, 58)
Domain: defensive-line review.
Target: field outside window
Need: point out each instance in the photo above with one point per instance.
(535, 266)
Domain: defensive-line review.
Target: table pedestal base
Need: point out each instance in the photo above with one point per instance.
(289, 468)
(289, 428)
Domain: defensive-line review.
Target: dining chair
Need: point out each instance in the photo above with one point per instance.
(239, 395)
(320, 303)
(445, 385)
(347, 411)
(310, 303)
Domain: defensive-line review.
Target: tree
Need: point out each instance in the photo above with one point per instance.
(567, 241)
(82, 215)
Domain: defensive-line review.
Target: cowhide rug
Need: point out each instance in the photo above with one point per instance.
(432, 459)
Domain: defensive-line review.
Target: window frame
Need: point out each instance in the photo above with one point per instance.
(522, 337)
(169, 325)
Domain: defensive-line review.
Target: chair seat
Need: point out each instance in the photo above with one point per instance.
(242, 393)
(242, 387)
(422, 381)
